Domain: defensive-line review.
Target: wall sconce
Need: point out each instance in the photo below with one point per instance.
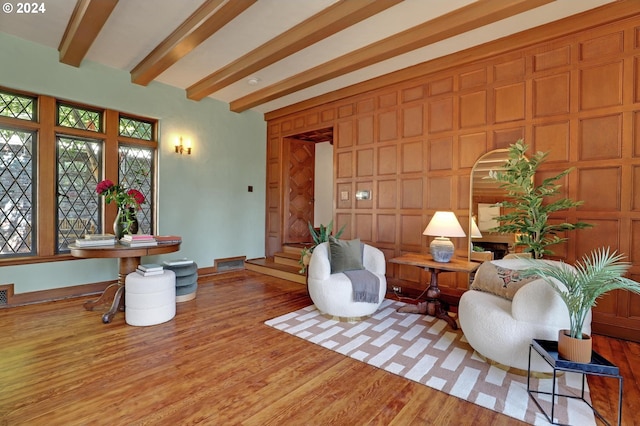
(181, 148)
(363, 195)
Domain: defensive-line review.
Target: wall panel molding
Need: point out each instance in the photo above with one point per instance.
(414, 140)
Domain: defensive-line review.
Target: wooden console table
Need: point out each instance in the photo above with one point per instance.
(433, 306)
(129, 259)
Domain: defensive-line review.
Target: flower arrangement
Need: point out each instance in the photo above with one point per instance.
(128, 201)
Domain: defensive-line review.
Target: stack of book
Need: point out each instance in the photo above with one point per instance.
(138, 240)
(168, 239)
(149, 269)
(176, 262)
(93, 240)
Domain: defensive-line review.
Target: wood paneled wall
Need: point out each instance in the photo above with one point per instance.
(413, 145)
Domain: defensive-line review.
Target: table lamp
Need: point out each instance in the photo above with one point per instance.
(442, 226)
(475, 231)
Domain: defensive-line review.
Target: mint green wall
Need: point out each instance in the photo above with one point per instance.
(202, 197)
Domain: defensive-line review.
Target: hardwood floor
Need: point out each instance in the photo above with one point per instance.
(217, 363)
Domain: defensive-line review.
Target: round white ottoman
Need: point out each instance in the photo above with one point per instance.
(186, 281)
(150, 300)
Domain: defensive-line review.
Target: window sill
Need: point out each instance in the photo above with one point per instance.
(35, 259)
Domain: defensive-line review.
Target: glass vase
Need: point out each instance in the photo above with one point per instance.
(126, 222)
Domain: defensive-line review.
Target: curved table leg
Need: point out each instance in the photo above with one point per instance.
(432, 306)
(115, 292)
(105, 297)
(443, 315)
(118, 300)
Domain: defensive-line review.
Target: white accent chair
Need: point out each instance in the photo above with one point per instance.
(501, 330)
(333, 293)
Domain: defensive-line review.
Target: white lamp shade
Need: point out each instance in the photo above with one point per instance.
(444, 224)
(475, 231)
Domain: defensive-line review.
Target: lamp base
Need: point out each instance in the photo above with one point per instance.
(441, 249)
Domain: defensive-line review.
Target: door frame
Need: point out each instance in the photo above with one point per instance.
(325, 134)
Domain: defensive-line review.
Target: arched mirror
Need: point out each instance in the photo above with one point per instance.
(484, 193)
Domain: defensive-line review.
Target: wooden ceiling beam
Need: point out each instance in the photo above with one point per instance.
(87, 19)
(329, 21)
(607, 13)
(198, 27)
(475, 15)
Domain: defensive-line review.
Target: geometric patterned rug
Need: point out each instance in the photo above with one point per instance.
(426, 350)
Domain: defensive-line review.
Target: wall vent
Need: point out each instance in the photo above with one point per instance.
(227, 265)
(4, 297)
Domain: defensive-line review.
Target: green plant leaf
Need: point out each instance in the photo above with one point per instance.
(596, 274)
(529, 206)
(320, 236)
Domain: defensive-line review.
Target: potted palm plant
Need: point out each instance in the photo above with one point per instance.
(319, 236)
(596, 274)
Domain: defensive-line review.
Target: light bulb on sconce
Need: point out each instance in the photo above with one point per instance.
(180, 148)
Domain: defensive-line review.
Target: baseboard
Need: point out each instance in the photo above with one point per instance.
(43, 296)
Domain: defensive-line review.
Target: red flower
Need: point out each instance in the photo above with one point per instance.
(104, 186)
(122, 197)
(137, 195)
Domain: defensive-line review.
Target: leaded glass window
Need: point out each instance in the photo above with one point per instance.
(136, 172)
(79, 169)
(35, 225)
(17, 106)
(79, 118)
(135, 128)
(17, 192)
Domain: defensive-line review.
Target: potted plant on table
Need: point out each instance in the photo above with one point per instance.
(319, 237)
(596, 274)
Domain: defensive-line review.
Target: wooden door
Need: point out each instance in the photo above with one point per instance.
(299, 191)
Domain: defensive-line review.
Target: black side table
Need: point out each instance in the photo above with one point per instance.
(599, 366)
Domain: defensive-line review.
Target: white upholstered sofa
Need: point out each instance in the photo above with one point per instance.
(501, 329)
(333, 293)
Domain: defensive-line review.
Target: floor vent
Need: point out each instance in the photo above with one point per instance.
(4, 297)
(227, 265)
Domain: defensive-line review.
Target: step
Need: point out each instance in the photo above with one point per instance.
(285, 258)
(270, 267)
(295, 247)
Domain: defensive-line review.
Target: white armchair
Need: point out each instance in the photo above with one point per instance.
(333, 293)
(501, 329)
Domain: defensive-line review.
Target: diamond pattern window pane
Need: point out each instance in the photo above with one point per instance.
(79, 170)
(17, 192)
(79, 118)
(136, 172)
(134, 128)
(17, 106)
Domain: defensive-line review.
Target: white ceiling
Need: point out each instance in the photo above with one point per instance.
(136, 27)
